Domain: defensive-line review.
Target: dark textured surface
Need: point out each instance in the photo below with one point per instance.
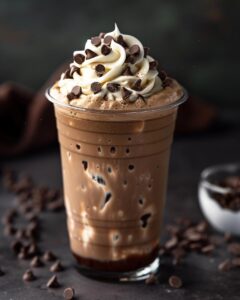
(196, 41)
(199, 273)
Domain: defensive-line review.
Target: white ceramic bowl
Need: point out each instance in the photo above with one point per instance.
(222, 219)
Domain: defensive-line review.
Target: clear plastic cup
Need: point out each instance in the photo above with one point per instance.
(115, 170)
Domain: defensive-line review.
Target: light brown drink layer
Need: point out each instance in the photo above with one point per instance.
(115, 177)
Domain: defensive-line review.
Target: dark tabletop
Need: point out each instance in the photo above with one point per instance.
(201, 278)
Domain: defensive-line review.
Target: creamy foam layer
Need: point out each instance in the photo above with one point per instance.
(114, 71)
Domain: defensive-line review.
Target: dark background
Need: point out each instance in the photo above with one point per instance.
(196, 41)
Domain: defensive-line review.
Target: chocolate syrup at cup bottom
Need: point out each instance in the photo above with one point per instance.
(132, 263)
(115, 176)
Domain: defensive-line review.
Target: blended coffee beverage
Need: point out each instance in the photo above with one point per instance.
(115, 116)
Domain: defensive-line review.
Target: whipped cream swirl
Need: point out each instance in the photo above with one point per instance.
(127, 72)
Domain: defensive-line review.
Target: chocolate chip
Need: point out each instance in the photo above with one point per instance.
(16, 246)
(151, 280)
(107, 39)
(79, 58)
(163, 75)
(127, 71)
(120, 41)
(36, 262)
(194, 237)
(105, 50)
(130, 59)
(28, 276)
(73, 70)
(9, 230)
(234, 248)
(208, 249)
(126, 93)
(23, 254)
(53, 282)
(178, 253)
(236, 262)
(96, 41)
(172, 243)
(227, 237)
(96, 87)
(2, 273)
(67, 74)
(56, 205)
(71, 96)
(56, 267)
(90, 54)
(102, 35)
(76, 91)
(49, 256)
(68, 293)
(153, 65)
(146, 51)
(33, 250)
(175, 282)
(137, 85)
(100, 69)
(224, 266)
(9, 216)
(113, 87)
(134, 50)
(167, 82)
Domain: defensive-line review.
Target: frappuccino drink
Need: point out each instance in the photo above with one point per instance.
(115, 113)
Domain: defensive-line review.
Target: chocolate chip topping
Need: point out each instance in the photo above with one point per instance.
(56, 267)
(137, 85)
(77, 91)
(53, 282)
(134, 50)
(71, 96)
(167, 82)
(146, 51)
(100, 69)
(96, 41)
(121, 41)
(79, 58)
(175, 282)
(127, 71)
(73, 70)
(153, 65)
(90, 54)
(130, 59)
(126, 93)
(96, 87)
(163, 75)
(102, 35)
(113, 87)
(105, 50)
(108, 39)
(67, 74)
(69, 293)
(28, 276)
